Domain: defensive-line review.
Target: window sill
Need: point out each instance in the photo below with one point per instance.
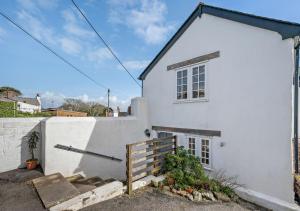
(207, 168)
(191, 101)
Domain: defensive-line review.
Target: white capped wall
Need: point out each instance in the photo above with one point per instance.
(107, 135)
(249, 100)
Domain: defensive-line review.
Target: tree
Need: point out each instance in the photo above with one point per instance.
(91, 108)
(5, 89)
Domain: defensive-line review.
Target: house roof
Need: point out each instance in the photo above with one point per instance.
(284, 28)
(4, 99)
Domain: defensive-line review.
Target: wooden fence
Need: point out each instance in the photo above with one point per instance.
(146, 158)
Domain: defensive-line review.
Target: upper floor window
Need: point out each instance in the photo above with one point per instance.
(192, 83)
(198, 81)
(182, 84)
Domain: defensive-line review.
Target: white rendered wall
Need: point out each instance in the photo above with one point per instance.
(25, 107)
(106, 135)
(13, 141)
(249, 101)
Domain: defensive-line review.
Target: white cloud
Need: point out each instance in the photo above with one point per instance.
(99, 55)
(145, 17)
(36, 27)
(35, 5)
(73, 27)
(136, 64)
(70, 46)
(2, 32)
(52, 100)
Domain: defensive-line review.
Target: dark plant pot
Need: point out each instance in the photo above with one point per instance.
(31, 164)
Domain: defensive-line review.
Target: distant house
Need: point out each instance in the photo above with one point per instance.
(24, 104)
(67, 113)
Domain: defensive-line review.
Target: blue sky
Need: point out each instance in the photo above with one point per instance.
(135, 29)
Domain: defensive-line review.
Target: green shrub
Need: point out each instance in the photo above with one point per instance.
(6, 109)
(185, 171)
(184, 168)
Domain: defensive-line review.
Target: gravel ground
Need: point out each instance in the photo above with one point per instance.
(153, 199)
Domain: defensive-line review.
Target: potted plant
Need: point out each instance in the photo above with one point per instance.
(32, 144)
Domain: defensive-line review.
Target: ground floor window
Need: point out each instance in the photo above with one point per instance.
(200, 147)
(205, 158)
(192, 146)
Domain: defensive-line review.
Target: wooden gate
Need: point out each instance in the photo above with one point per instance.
(146, 158)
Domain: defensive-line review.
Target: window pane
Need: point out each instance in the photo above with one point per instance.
(201, 85)
(184, 80)
(184, 73)
(201, 69)
(179, 89)
(195, 94)
(195, 78)
(184, 95)
(195, 86)
(184, 88)
(178, 95)
(179, 81)
(201, 77)
(179, 74)
(195, 70)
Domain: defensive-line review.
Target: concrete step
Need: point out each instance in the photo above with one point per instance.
(54, 189)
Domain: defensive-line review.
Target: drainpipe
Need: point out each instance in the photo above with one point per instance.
(296, 87)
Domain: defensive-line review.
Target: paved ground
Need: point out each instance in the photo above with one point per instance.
(152, 199)
(18, 194)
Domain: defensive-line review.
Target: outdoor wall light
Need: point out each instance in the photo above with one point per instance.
(147, 132)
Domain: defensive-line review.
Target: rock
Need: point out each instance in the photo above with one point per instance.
(182, 193)
(173, 190)
(190, 197)
(221, 197)
(208, 196)
(166, 188)
(156, 181)
(197, 196)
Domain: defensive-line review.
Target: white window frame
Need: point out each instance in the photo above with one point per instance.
(189, 69)
(198, 149)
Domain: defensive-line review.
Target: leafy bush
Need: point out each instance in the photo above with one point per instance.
(185, 171)
(6, 109)
(184, 168)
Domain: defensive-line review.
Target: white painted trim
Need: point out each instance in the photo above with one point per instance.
(265, 200)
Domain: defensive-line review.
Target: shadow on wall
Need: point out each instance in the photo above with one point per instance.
(25, 153)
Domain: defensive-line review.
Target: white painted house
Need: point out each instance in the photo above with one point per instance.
(224, 85)
(27, 104)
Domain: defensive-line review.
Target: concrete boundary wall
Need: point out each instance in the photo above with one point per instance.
(13, 141)
(107, 135)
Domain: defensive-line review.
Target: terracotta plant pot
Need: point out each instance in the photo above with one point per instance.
(31, 164)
